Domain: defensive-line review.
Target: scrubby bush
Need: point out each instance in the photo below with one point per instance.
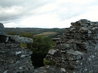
(42, 44)
(39, 47)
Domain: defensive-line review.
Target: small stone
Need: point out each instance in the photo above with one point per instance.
(83, 29)
(74, 52)
(5, 71)
(20, 67)
(22, 56)
(89, 59)
(63, 70)
(52, 51)
(85, 69)
(18, 52)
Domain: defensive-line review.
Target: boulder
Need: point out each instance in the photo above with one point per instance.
(19, 39)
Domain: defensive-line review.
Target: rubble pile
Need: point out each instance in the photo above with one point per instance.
(77, 49)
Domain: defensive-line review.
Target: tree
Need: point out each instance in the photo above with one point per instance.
(40, 47)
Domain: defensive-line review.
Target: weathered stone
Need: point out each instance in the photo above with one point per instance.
(13, 58)
(78, 48)
(52, 51)
(19, 39)
(3, 37)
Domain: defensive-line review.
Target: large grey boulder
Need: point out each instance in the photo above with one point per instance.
(19, 39)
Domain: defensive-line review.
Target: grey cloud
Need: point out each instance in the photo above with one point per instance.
(27, 6)
(8, 3)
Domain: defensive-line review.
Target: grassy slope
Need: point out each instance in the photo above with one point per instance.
(36, 31)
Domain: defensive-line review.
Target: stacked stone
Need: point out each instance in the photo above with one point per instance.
(77, 49)
(13, 58)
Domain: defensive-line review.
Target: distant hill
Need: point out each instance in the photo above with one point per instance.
(35, 31)
(46, 34)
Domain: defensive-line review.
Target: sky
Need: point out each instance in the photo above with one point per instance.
(46, 13)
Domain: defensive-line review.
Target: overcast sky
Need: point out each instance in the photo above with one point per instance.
(46, 13)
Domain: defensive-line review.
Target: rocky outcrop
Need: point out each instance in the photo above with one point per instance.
(19, 39)
(13, 58)
(77, 49)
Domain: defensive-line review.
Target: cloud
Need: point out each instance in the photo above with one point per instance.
(45, 9)
(13, 9)
(46, 13)
(76, 1)
(9, 13)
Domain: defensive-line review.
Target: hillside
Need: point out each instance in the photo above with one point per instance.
(35, 31)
